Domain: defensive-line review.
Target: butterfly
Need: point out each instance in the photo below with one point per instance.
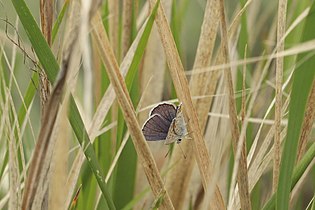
(166, 122)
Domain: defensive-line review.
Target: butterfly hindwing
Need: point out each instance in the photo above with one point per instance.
(156, 128)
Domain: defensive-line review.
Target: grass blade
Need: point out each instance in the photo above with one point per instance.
(302, 81)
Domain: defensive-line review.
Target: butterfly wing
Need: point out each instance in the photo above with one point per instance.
(167, 111)
(180, 125)
(156, 128)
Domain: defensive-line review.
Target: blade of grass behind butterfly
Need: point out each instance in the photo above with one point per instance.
(51, 67)
(302, 81)
(127, 164)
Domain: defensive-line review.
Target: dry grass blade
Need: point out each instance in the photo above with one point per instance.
(124, 101)
(179, 177)
(183, 93)
(126, 28)
(40, 153)
(14, 176)
(237, 140)
(307, 124)
(46, 17)
(279, 74)
(114, 25)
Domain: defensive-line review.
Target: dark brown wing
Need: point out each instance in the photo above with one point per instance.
(156, 128)
(167, 111)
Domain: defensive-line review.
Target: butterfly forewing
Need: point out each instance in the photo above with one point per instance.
(155, 128)
(167, 111)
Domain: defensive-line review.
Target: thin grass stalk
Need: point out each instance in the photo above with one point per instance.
(126, 26)
(238, 141)
(243, 109)
(14, 175)
(307, 124)
(46, 16)
(281, 26)
(183, 93)
(114, 25)
(125, 103)
(86, 8)
(178, 178)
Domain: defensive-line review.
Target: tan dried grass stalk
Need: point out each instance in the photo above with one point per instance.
(142, 149)
(126, 26)
(308, 123)
(183, 93)
(282, 8)
(114, 25)
(179, 177)
(238, 143)
(46, 16)
(14, 174)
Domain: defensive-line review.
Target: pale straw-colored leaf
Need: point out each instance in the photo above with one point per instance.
(281, 25)
(200, 84)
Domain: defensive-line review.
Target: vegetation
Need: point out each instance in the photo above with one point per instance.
(79, 78)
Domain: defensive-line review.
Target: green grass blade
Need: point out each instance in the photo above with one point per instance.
(83, 138)
(28, 98)
(59, 20)
(302, 81)
(37, 39)
(297, 174)
(140, 49)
